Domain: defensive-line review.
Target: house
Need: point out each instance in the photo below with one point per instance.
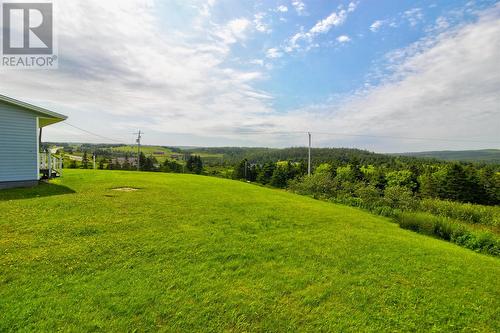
(132, 161)
(21, 163)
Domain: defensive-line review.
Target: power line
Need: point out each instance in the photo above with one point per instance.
(403, 137)
(269, 132)
(364, 135)
(315, 132)
(92, 133)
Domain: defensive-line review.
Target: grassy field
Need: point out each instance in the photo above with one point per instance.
(194, 253)
(160, 153)
(157, 150)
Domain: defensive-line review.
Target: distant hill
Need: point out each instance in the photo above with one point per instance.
(215, 155)
(483, 155)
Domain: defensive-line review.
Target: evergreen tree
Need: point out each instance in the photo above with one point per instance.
(490, 183)
(171, 166)
(455, 184)
(194, 164)
(142, 161)
(252, 173)
(198, 165)
(147, 163)
(85, 161)
(266, 173)
(72, 164)
(190, 163)
(126, 164)
(242, 170)
(280, 176)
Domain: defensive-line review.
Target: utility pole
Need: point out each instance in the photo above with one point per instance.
(309, 157)
(138, 140)
(93, 159)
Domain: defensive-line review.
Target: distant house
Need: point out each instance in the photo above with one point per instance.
(21, 163)
(159, 153)
(132, 161)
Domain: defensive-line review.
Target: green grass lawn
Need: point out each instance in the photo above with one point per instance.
(193, 253)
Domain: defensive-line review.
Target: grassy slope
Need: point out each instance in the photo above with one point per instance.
(198, 253)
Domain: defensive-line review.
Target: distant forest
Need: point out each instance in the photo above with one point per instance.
(483, 155)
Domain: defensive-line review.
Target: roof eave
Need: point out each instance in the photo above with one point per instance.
(42, 122)
(47, 117)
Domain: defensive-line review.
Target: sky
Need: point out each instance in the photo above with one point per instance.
(387, 76)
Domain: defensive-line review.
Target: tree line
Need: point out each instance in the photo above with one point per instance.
(462, 182)
(193, 164)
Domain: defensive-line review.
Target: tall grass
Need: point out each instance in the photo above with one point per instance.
(470, 213)
(476, 227)
(477, 239)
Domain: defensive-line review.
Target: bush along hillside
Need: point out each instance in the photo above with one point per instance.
(460, 201)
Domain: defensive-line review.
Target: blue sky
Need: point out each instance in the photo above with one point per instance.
(332, 67)
(256, 73)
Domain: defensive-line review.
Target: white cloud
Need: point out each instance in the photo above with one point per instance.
(442, 87)
(259, 62)
(440, 25)
(115, 78)
(343, 39)
(333, 20)
(376, 25)
(273, 53)
(206, 8)
(300, 6)
(352, 6)
(259, 23)
(282, 9)
(414, 16)
(323, 26)
(234, 31)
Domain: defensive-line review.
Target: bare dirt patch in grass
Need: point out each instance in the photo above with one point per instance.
(125, 189)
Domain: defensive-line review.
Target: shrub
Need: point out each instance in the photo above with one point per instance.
(324, 168)
(320, 185)
(445, 228)
(369, 194)
(403, 178)
(399, 197)
(385, 211)
(419, 222)
(470, 213)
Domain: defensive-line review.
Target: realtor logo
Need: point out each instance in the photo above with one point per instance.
(28, 35)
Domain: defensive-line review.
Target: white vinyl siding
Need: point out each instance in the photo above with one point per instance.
(18, 144)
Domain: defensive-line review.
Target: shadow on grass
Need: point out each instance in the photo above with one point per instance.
(42, 190)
